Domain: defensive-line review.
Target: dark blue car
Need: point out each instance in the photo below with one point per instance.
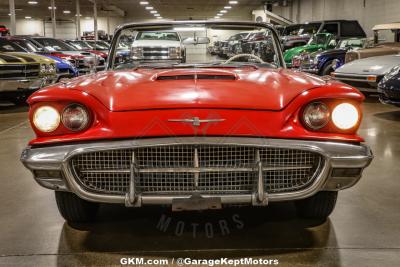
(324, 62)
(389, 87)
(64, 68)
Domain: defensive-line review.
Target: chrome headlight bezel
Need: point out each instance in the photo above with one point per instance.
(312, 110)
(74, 125)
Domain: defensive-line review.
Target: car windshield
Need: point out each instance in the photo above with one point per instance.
(319, 39)
(7, 46)
(80, 45)
(388, 36)
(309, 28)
(54, 44)
(157, 36)
(351, 43)
(27, 45)
(148, 45)
(99, 45)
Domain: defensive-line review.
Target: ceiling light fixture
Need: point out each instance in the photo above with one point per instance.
(233, 2)
(52, 8)
(32, 2)
(143, 3)
(216, 17)
(157, 15)
(67, 12)
(227, 7)
(28, 17)
(153, 12)
(149, 7)
(223, 11)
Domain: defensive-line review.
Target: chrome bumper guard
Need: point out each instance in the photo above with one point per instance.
(337, 156)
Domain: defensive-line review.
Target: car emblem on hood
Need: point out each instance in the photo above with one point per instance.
(196, 121)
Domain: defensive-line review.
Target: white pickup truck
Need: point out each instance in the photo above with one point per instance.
(158, 46)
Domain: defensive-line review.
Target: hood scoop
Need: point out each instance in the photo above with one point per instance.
(206, 75)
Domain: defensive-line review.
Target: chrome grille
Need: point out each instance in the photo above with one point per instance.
(184, 169)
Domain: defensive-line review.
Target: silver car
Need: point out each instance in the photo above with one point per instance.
(365, 74)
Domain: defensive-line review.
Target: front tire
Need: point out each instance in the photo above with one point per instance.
(74, 209)
(319, 206)
(328, 68)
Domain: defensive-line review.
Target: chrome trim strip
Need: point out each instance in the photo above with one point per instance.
(336, 155)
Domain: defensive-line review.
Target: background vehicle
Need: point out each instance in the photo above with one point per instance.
(366, 73)
(4, 30)
(325, 62)
(299, 34)
(84, 61)
(22, 73)
(382, 46)
(389, 87)
(64, 68)
(319, 42)
(85, 46)
(158, 45)
(195, 156)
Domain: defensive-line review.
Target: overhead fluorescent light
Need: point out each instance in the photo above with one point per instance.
(223, 11)
(153, 12)
(149, 7)
(216, 17)
(227, 7)
(189, 29)
(67, 12)
(157, 15)
(32, 2)
(52, 8)
(28, 17)
(233, 2)
(143, 3)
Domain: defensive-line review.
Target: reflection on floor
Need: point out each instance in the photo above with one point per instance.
(363, 230)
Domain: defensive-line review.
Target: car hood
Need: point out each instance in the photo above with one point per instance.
(289, 54)
(370, 66)
(150, 43)
(263, 89)
(22, 57)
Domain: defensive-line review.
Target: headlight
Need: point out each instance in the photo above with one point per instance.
(75, 117)
(43, 68)
(345, 116)
(137, 52)
(51, 68)
(316, 115)
(174, 52)
(46, 119)
(316, 59)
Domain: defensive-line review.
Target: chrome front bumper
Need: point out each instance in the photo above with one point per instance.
(337, 156)
(11, 85)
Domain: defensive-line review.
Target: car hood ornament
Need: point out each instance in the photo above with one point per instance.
(196, 121)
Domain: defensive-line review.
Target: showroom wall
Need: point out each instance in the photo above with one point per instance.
(367, 12)
(65, 29)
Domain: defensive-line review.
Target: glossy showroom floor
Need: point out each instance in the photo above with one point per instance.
(364, 229)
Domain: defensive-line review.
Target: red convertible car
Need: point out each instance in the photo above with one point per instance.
(195, 136)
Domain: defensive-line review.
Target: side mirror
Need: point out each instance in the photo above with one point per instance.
(196, 40)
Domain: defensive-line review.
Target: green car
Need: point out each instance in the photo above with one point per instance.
(319, 41)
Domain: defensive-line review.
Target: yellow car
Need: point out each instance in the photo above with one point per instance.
(22, 73)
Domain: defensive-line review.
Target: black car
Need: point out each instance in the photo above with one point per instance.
(389, 88)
